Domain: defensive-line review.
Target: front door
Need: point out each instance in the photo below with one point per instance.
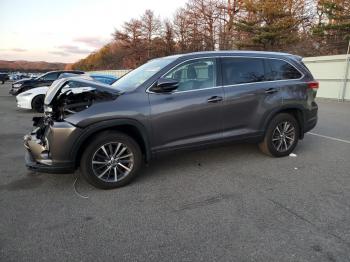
(192, 114)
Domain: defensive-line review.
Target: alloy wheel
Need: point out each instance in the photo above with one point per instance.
(112, 162)
(283, 136)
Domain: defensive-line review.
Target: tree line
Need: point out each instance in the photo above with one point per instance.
(303, 27)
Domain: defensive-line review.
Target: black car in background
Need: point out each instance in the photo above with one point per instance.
(4, 77)
(43, 80)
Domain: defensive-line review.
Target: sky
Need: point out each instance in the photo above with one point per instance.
(67, 30)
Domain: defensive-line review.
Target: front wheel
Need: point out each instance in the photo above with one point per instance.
(111, 160)
(281, 136)
(38, 103)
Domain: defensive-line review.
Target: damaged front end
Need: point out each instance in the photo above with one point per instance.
(49, 145)
(73, 95)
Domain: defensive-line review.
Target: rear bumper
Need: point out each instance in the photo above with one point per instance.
(310, 124)
(311, 117)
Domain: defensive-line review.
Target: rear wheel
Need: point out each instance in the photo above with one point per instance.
(38, 103)
(281, 136)
(111, 160)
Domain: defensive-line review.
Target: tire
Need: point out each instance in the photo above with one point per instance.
(93, 172)
(38, 103)
(278, 143)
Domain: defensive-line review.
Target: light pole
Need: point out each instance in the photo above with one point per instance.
(346, 74)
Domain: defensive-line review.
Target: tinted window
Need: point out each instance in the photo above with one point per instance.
(194, 74)
(242, 70)
(280, 70)
(50, 77)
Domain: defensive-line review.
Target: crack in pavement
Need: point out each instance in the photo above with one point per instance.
(290, 211)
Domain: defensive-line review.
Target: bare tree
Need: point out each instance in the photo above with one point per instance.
(168, 36)
(151, 27)
(305, 27)
(130, 39)
(181, 29)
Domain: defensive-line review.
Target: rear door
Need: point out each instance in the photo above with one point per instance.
(193, 113)
(248, 96)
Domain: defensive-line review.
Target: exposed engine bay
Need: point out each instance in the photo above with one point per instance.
(69, 96)
(73, 95)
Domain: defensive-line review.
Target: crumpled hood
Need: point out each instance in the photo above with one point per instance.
(59, 88)
(53, 90)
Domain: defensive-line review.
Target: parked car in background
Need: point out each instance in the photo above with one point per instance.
(173, 103)
(34, 98)
(4, 77)
(43, 80)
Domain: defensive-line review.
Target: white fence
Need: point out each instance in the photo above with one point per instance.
(333, 73)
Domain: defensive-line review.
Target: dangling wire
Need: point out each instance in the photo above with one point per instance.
(75, 189)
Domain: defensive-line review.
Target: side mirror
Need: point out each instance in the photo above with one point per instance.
(164, 85)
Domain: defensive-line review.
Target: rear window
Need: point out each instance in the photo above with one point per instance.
(280, 70)
(242, 70)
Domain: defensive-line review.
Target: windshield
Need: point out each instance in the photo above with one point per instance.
(141, 74)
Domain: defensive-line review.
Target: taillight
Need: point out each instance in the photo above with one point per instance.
(313, 85)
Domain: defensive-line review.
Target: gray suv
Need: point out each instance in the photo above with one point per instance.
(172, 103)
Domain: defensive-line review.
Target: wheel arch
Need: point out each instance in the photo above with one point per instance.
(132, 128)
(34, 97)
(296, 111)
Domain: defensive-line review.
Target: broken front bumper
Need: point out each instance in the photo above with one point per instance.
(39, 154)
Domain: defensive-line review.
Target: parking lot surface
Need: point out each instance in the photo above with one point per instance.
(228, 203)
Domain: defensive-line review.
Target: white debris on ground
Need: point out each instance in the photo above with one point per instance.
(292, 155)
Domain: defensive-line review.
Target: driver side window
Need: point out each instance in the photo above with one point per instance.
(194, 74)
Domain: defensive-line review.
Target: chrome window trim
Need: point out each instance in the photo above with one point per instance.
(229, 56)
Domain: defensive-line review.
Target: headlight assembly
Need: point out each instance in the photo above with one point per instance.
(17, 85)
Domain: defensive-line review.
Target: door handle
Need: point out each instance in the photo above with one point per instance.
(271, 90)
(215, 99)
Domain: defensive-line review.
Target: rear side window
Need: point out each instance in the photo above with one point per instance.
(280, 70)
(242, 70)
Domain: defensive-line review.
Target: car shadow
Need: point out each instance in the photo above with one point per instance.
(190, 160)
